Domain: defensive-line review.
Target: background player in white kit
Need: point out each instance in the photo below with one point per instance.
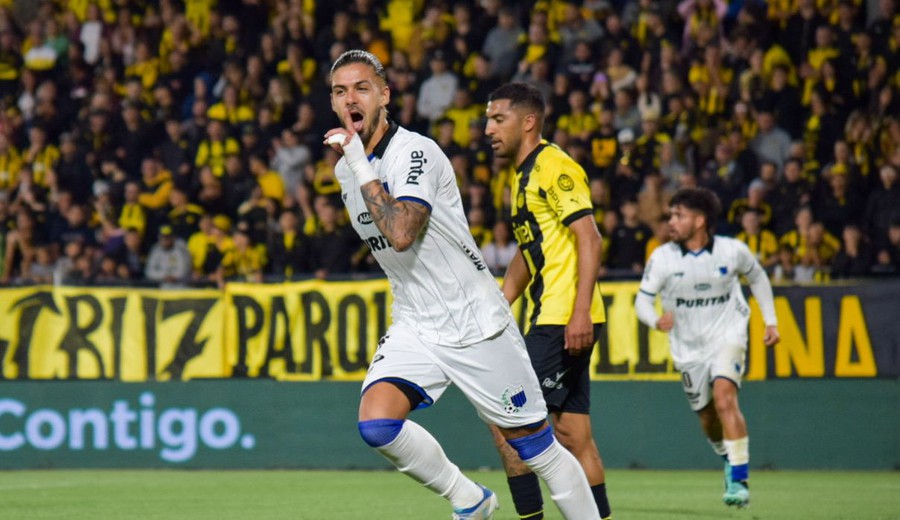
(451, 324)
(706, 316)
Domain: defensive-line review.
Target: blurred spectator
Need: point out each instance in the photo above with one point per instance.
(20, 249)
(883, 205)
(169, 262)
(41, 270)
(502, 41)
(335, 247)
(762, 242)
(790, 193)
(661, 235)
(183, 217)
(131, 256)
(653, 199)
(838, 204)
(755, 201)
(289, 248)
(174, 155)
(72, 173)
(772, 143)
(291, 158)
(270, 182)
(437, 91)
(626, 182)
(888, 258)
(213, 150)
(244, 261)
(501, 249)
(628, 243)
(855, 257)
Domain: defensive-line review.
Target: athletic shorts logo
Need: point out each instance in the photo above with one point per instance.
(565, 182)
(513, 399)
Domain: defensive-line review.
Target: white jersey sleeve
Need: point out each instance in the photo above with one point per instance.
(654, 278)
(417, 174)
(759, 283)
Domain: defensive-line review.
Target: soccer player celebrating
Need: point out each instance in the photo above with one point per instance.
(706, 315)
(557, 263)
(450, 321)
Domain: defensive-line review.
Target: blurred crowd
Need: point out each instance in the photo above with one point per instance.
(179, 142)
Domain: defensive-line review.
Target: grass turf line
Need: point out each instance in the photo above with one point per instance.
(363, 495)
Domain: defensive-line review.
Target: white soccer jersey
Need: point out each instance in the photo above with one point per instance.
(703, 291)
(441, 285)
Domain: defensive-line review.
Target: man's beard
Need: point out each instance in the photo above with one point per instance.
(372, 126)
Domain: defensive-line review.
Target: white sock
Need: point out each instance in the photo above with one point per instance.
(718, 447)
(416, 453)
(738, 451)
(569, 488)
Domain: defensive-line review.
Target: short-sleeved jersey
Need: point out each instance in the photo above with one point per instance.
(703, 291)
(551, 191)
(441, 285)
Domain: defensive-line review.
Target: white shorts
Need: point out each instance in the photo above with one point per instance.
(495, 375)
(697, 379)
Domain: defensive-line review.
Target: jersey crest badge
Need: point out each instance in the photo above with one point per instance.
(565, 182)
(513, 399)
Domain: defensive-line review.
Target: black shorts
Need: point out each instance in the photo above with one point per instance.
(565, 379)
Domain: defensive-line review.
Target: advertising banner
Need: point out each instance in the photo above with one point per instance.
(318, 330)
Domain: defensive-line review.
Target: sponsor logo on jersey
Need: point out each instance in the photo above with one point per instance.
(364, 218)
(377, 243)
(702, 287)
(679, 274)
(473, 256)
(555, 384)
(702, 302)
(565, 182)
(417, 163)
(513, 399)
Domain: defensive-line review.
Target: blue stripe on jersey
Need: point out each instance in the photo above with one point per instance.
(647, 293)
(416, 200)
(426, 399)
(371, 157)
(386, 190)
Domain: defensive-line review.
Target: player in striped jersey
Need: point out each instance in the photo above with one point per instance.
(556, 266)
(706, 316)
(451, 323)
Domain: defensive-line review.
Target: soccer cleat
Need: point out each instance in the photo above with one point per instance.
(727, 474)
(483, 510)
(737, 494)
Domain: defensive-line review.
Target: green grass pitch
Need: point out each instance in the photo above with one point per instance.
(361, 495)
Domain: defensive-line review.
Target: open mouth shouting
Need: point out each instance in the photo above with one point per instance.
(357, 119)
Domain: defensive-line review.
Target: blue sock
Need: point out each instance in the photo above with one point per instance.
(740, 472)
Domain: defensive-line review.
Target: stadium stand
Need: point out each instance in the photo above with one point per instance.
(131, 130)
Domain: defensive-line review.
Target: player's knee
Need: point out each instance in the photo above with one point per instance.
(380, 432)
(530, 446)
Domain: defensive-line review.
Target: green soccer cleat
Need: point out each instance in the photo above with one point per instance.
(727, 474)
(737, 494)
(483, 510)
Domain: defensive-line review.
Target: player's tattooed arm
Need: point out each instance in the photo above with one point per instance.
(399, 221)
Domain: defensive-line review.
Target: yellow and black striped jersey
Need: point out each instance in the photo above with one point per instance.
(551, 191)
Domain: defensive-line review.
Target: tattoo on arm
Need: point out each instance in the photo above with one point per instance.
(399, 221)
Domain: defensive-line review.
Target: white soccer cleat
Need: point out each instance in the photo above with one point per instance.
(483, 510)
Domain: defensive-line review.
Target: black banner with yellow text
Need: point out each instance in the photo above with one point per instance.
(318, 330)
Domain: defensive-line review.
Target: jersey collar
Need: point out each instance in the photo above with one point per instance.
(708, 247)
(378, 151)
(530, 159)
